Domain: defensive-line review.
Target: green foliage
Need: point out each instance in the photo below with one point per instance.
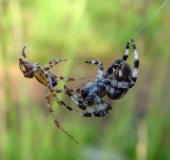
(139, 125)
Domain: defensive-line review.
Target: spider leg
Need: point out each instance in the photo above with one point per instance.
(89, 112)
(50, 110)
(62, 104)
(52, 63)
(68, 90)
(23, 55)
(71, 109)
(70, 78)
(103, 107)
(79, 103)
(136, 62)
(100, 68)
(22, 58)
(126, 54)
(52, 89)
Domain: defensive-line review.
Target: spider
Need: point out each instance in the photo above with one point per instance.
(48, 79)
(115, 83)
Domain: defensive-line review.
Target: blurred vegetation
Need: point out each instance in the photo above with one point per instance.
(139, 126)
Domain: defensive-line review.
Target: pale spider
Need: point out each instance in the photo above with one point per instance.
(48, 79)
(115, 83)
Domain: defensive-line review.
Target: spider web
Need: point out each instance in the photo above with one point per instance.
(140, 30)
(77, 61)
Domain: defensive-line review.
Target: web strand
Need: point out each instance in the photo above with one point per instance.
(138, 30)
(150, 19)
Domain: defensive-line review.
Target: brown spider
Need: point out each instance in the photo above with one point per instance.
(48, 79)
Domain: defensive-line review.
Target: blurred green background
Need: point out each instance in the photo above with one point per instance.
(138, 128)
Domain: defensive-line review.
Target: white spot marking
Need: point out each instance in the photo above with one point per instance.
(136, 54)
(135, 72)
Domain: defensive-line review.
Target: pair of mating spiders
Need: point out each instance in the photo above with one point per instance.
(115, 83)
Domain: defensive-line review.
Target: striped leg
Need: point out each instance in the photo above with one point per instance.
(52, 89)
(50, 110)
(92, 112)
(136, 62)
(62, 104)
(23, 55)
(100, 69)
(71, 109)
(68, 90)
(103, 107)
(52, 63)
(27, 68)
(70, 78)
(118, 62)
(79, 103)
(126, 54)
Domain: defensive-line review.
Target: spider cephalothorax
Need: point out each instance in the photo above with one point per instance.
(115, 83)
(48, 79)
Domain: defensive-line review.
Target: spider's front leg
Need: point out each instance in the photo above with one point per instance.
(136, 63)
(52, 63)
(23, 62)
(27, 68)
(126, 54)
(23, 55)
(100, 68)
